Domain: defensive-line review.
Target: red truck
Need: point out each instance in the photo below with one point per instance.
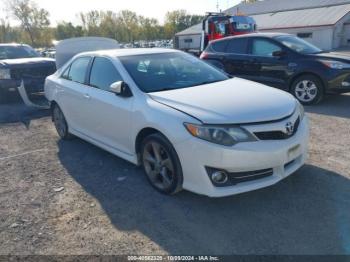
(214, 26)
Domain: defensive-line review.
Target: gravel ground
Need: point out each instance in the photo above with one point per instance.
(63, 198)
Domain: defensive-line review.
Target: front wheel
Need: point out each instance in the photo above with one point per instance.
(308, 89)
(161, 164)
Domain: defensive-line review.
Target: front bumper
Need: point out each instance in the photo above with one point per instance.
(195, 155)
(338, 82)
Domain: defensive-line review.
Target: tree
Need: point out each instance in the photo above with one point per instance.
(91, 22)
(34, 20)
(130, 23)
(66, 30)
(179, 20)
(4, 30)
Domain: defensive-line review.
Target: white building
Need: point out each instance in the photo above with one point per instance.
(325, 23)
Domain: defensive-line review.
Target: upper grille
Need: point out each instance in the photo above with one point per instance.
(277, 135)
(35, 72)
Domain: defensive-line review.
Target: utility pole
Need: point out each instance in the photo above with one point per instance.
(217, 6)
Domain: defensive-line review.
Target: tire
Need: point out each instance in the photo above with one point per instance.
(308, 89)
(60, 123)
(161, 164)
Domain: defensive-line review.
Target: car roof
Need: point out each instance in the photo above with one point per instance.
(267, 35)
(128, 52)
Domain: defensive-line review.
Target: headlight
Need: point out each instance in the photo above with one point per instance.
(301, 110)
(227, 136)
(5, 74)
(336, 64)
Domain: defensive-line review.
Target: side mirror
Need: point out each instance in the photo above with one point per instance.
(120, 88)
(279, 54)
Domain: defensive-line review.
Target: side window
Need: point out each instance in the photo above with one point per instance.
(103, 74)
(219, 46)
(65, 74)
(237, 46)
(262, 47)
(78, 69)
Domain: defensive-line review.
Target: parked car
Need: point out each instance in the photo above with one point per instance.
(21, 62)
(283, 61)
(187, 123)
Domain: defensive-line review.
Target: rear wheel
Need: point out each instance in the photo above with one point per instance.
(308, 89)
(60, 123)
(161, 164)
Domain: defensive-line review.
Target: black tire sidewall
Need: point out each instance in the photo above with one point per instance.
(319, 85)
(66, 135)
(178, 180)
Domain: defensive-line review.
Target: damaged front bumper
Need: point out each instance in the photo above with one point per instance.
(24, 88)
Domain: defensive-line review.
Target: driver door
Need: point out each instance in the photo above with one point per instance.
(269, 69)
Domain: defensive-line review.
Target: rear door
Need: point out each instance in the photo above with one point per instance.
(110, 115)
(236, 57)
(73, 93)
(268, 69)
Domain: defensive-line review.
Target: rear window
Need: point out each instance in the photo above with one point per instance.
(237, 46)
(219, 46)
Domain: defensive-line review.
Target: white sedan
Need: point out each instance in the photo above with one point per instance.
(188, 124)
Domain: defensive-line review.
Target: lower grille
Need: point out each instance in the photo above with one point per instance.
(242, 177)
(277, 135)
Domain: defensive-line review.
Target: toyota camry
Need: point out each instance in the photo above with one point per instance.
(188, 124)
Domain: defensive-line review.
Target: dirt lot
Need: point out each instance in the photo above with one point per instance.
(73, 198)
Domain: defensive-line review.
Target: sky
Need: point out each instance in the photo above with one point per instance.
(68, 9)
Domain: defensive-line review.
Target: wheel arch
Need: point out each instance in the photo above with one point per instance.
(296, 76)
(142, 134)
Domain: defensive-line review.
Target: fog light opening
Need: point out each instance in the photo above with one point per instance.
(219, 177)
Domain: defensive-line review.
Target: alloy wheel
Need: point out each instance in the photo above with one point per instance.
(306, 91)
(158, 165)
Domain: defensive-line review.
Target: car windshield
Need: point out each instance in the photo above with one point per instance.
(299, 45)
(168, 71)
(14, 52)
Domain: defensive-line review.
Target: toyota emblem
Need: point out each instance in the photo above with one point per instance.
(289, 128)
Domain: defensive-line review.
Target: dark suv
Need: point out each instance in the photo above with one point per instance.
(21, 62)
(283, 61)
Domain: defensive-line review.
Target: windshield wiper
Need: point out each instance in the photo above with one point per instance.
(164, 89)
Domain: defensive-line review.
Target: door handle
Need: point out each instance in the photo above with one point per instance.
(87, 96)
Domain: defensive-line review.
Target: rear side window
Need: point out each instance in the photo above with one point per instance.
(219, 46)
(65, 74)
(103, 74)
(78, 69)
(238, 46)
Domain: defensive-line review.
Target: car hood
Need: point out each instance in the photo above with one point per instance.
(235, 101)
(334, 56)
(26, 62)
